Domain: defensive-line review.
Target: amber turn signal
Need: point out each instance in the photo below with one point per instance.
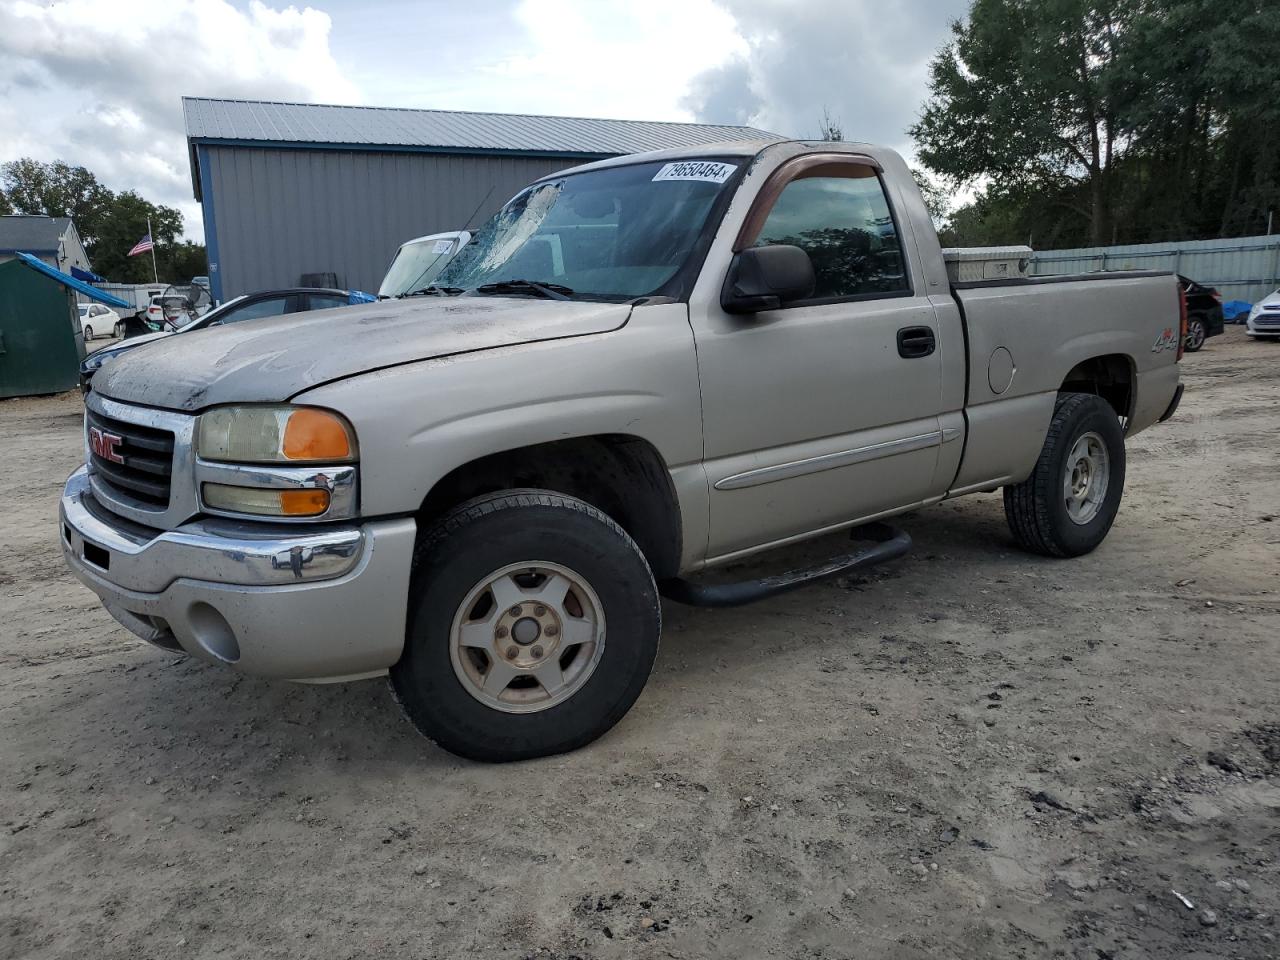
(315, 435)
(266, 502)
(303, 503)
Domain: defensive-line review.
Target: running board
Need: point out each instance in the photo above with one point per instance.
(890, 543)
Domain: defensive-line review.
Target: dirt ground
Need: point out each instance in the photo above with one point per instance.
(970, 753)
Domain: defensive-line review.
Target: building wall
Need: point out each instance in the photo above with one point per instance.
(1241, 268)
(71, 252)
(273, 214)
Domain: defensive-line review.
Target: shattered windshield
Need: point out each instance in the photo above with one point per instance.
(614, 233)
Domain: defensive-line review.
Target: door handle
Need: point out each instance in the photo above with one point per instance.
(914, 342)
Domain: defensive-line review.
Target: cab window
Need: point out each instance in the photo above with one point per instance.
(325, 302)
(845, 225)
(272, 307)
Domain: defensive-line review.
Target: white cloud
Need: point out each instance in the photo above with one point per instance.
(865, 61)
(624, 61)
(99, 84)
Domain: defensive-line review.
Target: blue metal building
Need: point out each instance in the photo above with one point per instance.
(289, 189)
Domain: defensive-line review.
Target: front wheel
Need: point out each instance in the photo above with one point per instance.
(1067, 505)
(1196, 333)
(533, 624)
(119, 330)
(88, 332)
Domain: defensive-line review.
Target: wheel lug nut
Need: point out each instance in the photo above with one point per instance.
(536, 651)
(513, 652)
(500, 632)
(539, 611)
(552, 630)
(516, 611)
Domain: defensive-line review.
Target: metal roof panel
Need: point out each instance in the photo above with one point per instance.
(277, 122)
(40, 233)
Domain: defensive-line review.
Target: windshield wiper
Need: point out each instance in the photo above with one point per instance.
(552, 291)
(431, 290)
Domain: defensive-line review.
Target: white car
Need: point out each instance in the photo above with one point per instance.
(418, 261)
(97, 320)
(1264, 318)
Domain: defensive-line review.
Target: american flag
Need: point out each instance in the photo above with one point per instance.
(142, 246)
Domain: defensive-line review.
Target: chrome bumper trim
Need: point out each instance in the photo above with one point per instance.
(290, 602)
(221, 551)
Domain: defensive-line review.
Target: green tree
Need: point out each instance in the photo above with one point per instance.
(1031, 93)
(936, 199)
(1107, 121)
(57, 189)
(124, 224)
(110, 224)
(182, 261)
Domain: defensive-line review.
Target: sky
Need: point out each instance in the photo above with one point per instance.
(98, 84)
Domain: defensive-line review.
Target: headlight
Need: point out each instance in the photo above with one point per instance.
(276, 461)
(275, 434)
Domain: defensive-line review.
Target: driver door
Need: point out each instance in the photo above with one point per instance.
(827, 410)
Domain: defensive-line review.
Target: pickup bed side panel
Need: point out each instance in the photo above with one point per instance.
(416, 423)
(1024, 338)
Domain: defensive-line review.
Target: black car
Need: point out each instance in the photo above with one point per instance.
(250, 306)
(1204, 312)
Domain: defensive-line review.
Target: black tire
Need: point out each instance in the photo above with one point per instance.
(467, 545)
(1036, 508)
(1197, 333)
(88, 332)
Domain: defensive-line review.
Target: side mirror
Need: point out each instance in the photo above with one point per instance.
(764, 278)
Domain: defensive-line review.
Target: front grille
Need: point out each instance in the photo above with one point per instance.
(146, 473)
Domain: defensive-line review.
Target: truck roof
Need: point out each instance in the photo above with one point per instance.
(724, 148)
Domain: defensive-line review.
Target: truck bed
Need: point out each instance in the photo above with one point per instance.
(1026, 335)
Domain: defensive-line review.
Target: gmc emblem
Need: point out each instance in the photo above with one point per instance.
(105, 445)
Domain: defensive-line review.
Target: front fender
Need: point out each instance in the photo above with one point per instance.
(418, 422)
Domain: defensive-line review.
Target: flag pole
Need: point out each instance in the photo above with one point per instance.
(155, 274)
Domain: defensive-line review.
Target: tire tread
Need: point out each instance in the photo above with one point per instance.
(1026, 504)
(432, 547)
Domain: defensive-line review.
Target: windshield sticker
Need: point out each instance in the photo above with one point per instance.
(710, 171)
(442, 246)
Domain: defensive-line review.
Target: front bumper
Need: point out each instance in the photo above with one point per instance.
(1257, 327)
(303, 603)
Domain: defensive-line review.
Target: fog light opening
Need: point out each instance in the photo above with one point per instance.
(213, 633)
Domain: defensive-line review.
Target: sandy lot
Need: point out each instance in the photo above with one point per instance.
(971, 753)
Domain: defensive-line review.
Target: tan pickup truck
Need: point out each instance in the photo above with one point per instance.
(639, 369)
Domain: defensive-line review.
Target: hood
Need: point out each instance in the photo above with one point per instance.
(271, 360)
(124, 346)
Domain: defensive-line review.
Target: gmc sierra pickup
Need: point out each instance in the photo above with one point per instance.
(639, 369)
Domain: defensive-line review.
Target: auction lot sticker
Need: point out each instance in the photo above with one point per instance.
(712, 171)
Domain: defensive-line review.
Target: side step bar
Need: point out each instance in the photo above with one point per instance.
(889, 544)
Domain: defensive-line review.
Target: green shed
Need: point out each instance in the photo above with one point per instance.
(40, 341)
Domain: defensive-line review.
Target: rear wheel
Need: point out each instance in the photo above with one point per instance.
(119, 330)
(1196, 333)
(88, 332)
(534, 623)
(1067, 505)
